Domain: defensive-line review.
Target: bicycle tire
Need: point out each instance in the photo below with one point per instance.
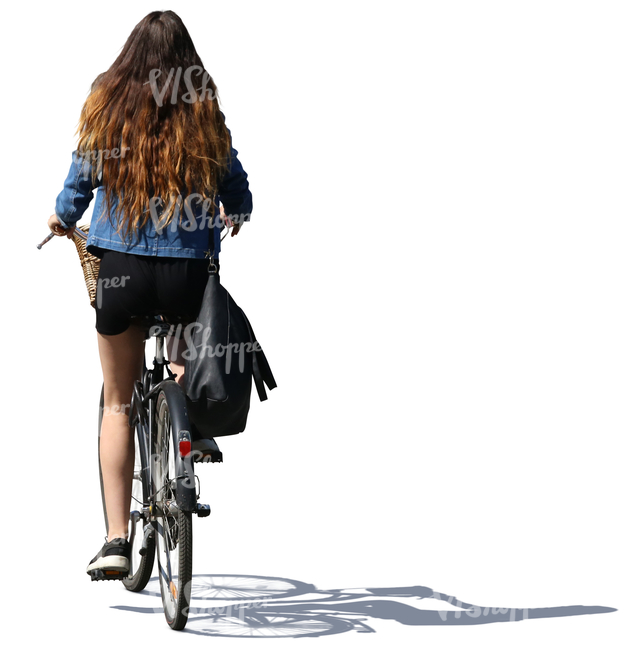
(102, 495)
(173, 531)
(141, 565)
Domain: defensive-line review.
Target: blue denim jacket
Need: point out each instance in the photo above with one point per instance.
(193, 234)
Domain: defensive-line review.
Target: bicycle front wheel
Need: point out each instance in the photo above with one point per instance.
(173, 524)
(142, 556)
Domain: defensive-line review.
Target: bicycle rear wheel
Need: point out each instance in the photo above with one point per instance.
(141, 565)
(173, 525)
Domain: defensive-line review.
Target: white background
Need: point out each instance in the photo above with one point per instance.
(435, 268)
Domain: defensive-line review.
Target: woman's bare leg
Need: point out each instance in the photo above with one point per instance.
(121, 357)
(175, 348)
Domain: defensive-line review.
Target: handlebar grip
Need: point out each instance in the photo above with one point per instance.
(47, 239)
(77, 231)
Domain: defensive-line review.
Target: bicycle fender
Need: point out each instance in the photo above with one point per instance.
(186, 482)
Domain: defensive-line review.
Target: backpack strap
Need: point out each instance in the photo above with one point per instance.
(261, 368)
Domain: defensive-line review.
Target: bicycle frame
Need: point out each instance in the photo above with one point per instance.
(143, 415)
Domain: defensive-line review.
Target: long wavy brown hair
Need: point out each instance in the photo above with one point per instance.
(171, 140)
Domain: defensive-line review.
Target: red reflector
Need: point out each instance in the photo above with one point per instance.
(185, 447)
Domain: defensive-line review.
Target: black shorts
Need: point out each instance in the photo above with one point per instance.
(138, 285)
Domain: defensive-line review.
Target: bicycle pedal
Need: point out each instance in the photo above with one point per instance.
(206, 450)
(149, 533)
(106, 574)
(203, 509)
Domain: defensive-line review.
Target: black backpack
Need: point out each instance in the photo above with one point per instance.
(222, 358)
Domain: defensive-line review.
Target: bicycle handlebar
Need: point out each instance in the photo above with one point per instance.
(47, 239)
(82, 235)
(78, 231)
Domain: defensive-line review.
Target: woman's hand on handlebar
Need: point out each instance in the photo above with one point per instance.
(235, 227)
(55, 226)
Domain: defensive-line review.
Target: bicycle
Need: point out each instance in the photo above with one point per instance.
(164, 483)
(164, 494)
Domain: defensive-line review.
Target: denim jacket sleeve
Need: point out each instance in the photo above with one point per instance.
(77, 192)
(234, 192)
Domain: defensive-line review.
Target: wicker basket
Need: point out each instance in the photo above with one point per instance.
(89, 262)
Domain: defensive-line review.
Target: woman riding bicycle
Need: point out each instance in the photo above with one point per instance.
(155, 144)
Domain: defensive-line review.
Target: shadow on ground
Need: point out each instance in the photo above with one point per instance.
(262, 606)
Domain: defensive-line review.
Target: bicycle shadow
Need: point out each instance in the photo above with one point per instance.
(262, 606)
